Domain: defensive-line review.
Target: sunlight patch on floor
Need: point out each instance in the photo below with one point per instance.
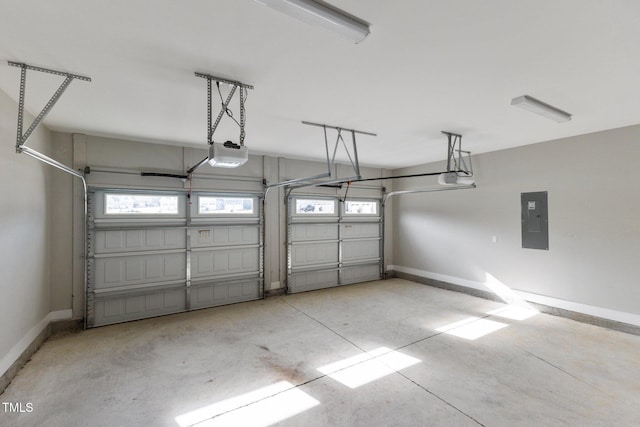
(367, 367)
(472, 328)
(514, 312)
(517, 308)
(504, 292)
(261, 407)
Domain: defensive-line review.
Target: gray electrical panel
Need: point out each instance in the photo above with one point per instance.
(535, 220)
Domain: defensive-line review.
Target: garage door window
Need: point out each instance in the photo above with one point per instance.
(140, 204)
(361, 207)
(208, 205)
(315, 207)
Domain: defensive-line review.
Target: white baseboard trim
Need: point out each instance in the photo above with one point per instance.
(441, 277)
(16, 351)
(605, 313)
(61, 315)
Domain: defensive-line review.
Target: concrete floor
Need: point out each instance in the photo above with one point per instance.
(377, 354)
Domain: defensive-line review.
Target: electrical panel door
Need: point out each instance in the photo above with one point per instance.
(535, 220)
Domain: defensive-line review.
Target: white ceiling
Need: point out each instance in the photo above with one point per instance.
(427, 66)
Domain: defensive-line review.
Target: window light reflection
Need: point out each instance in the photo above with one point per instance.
(517, 308)
(367, 367)
(261, 407)
(472, 328)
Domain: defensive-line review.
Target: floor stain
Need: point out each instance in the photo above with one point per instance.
(287, 373)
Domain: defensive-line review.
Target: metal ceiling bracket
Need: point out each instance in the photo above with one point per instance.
(21, 138)
(312, 181)
(211, 128)
(458, 160)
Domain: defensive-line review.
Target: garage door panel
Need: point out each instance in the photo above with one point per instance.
(133, 270)
(202, 265)
(250, 235)
(232, 235)
(301, 232)
(111, 307)
(154, 239)
(225, 261)
(154, 301)
(213, 294)
(250, 260)
(235, 261)
(165, 239)
(119, 240)
(359, 231)
(312, 280)
(113, 241)
(132, 307)
(174, 266)
(314, 253)
(110, 273)
(153, 268)
(360, 250)
(225, 236)
(360, 273)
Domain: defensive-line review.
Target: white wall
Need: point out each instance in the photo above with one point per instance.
(594, 224)
(24, 237)
(62, 196)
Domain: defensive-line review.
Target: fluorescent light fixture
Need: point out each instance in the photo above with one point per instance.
(321, 14)
(535, 106)
(227, 155)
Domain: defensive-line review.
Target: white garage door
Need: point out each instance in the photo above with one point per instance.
(155, 253)
(332, 243)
